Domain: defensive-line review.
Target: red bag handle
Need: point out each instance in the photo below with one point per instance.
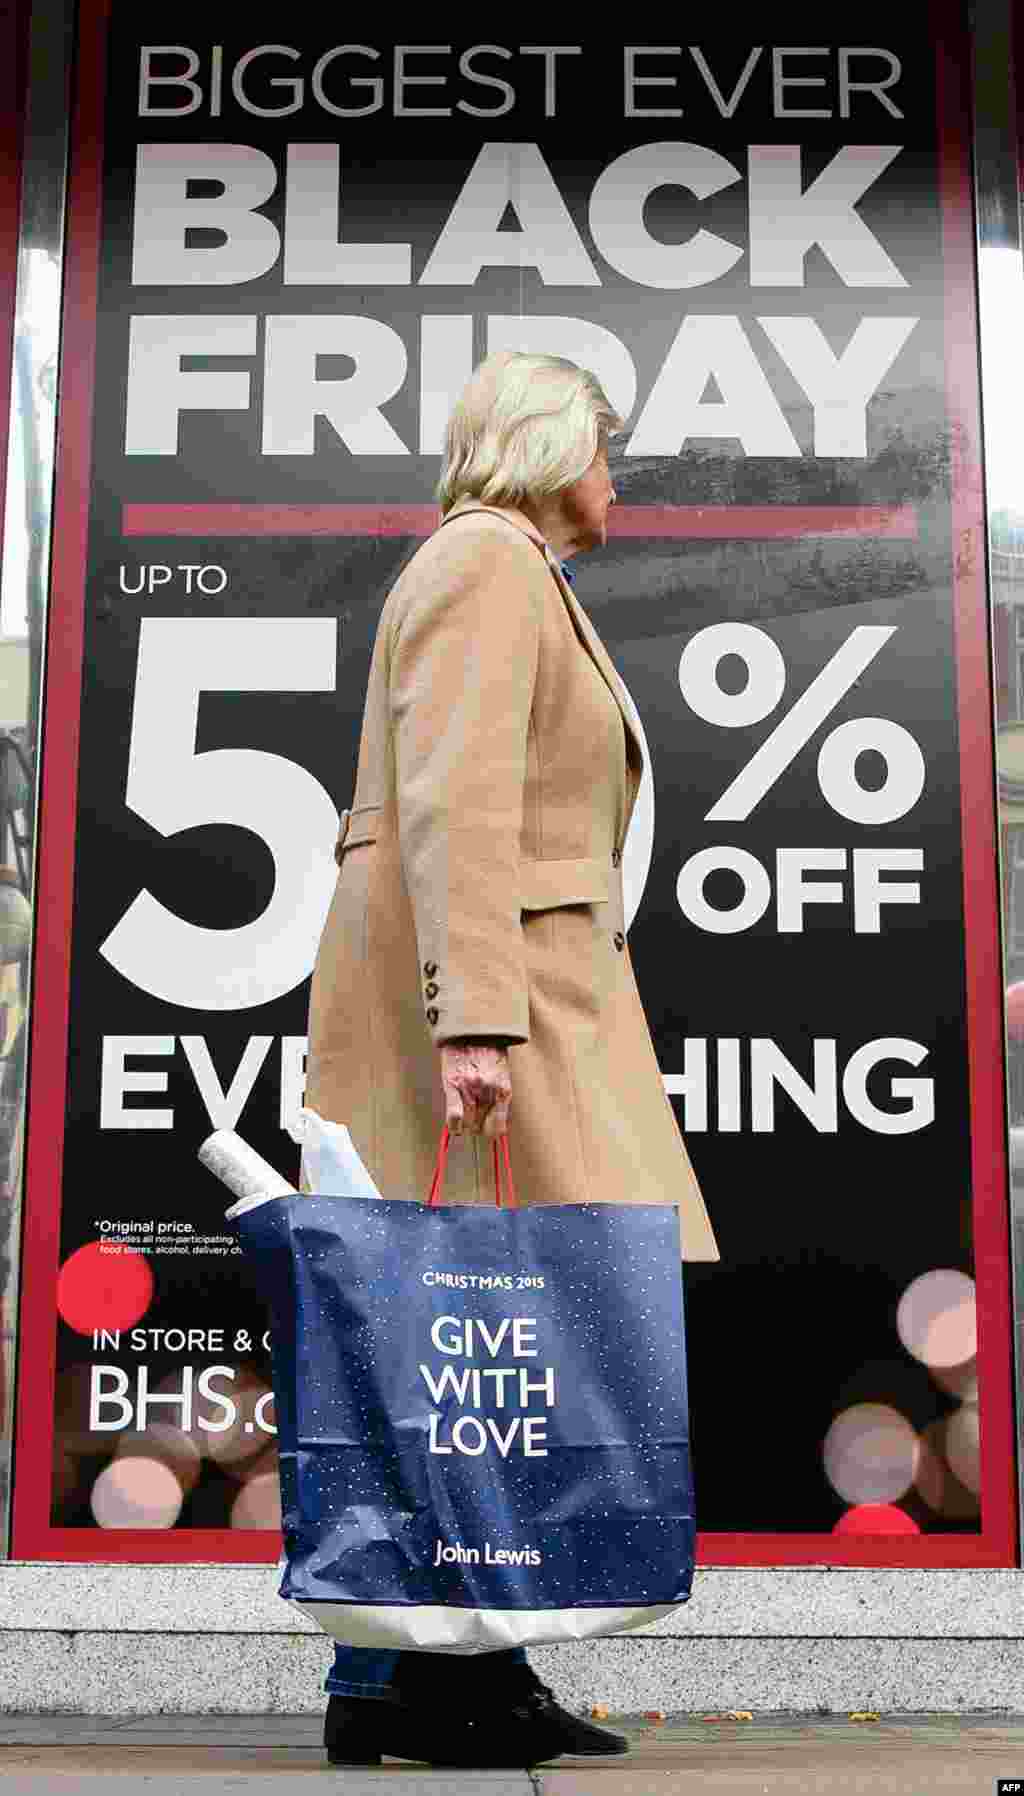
(442, 1156)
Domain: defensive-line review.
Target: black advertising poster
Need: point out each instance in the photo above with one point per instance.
(284, 260)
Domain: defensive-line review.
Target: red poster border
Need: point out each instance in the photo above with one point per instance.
(33, 1537)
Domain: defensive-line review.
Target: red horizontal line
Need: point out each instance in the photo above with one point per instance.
(763, 520)
(420, 520)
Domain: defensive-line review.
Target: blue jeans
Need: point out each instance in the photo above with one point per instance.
(364, 1671)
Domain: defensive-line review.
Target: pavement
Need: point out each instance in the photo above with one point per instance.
(281, 1755)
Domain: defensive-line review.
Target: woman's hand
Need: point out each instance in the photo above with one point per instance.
(477, 1086)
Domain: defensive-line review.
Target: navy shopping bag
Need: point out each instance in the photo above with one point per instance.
(482, 1416)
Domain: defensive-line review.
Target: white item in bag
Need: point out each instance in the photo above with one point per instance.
(330, 1165)
(245, 1172)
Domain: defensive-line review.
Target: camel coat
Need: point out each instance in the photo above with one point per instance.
(480, 892)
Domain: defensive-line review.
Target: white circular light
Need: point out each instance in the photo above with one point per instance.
(871, 1454)
(936, 1318)
(136, 1493)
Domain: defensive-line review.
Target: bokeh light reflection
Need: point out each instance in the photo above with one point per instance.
(936, 1318)
(132, 1492)
(258, 1503)
(963, 1446)
(164, 1442)
(935, 1481)
(247, 1435)
(959, 1381)
(870, 1454)
(876, 1518)
(98, 1287)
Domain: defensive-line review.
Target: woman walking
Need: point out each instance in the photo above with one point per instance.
(474, 968)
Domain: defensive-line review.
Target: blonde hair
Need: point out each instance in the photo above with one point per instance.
(524, 427)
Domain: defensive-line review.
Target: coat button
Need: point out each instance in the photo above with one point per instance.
(431, 1015)
(616, 857)
(431, 991)
(430, 968)
(619, 939)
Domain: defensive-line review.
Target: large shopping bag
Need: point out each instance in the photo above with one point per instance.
(481, 1413)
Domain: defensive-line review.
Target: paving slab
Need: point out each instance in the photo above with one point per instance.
(31, 1782)
(769, 1755)
(892, 1778)
(802, 1756)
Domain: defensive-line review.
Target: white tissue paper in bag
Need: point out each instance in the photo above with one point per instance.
(330, 1165)
(245, 1172)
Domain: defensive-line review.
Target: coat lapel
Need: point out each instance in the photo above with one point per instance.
(600, 656)
(584, 628)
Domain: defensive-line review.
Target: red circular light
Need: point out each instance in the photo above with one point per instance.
(876, 1518)
(98, 1289)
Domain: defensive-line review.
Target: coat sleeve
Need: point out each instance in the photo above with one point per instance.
(462, 674)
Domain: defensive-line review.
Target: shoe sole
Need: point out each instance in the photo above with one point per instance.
(367, 1761)
(341, 1764)
(601, 1752)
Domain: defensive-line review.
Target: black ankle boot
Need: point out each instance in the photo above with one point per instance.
(361, 1730)
(353, 1731)
(515, 1720)
(533, 1703)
